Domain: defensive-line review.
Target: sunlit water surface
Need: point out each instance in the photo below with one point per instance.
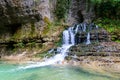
(12, 72)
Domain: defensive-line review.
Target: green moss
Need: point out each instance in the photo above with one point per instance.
(21, 33)
(118, 41)
(44, 54)
(32, 44)
(51, 27)
(48, 26)
(32, 32)
(19, 45)
(45, 31)
(59, 43)
(46, 20)
(17, 35)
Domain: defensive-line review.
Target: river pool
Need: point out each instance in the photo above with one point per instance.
(14, 72)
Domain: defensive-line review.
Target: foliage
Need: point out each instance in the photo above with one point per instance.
(112, 26)
(19, 45)
(62, 7)
(107, 16)
(100, 1)
(107, 8)
(32, 44)
(59, 43)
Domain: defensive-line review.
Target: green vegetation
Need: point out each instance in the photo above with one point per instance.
(32, 44)
(62, 7)
(32, 29)
(108, 9)
(44, 54)
(59, 43)
(19, 45)
(112, 26)
(108, 16)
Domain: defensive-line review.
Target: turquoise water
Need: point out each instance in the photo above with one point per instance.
(12, 72)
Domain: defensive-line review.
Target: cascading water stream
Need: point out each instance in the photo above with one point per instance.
(88, 38)
(69, 39)
(13, 72)
(65, 37)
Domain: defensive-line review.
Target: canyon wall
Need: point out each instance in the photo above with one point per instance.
(33, 22)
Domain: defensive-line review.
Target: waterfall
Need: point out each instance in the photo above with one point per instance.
(66, 37)
(71, 36)
(88, 38)
(68, 41)
(76, 30)
(84, 27)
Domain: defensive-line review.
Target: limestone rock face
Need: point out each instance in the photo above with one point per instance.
(18, 11)
(26, 22)
(15, 13)
(25, 16)
(79, 12)
(23, 11)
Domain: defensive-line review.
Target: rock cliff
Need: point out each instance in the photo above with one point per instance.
(79, 12)
(31, 22)
(27, 22)
(18, 13)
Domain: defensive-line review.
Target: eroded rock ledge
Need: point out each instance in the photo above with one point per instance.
(103, 49)
(25, 23)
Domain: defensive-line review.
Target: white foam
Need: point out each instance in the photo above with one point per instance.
(58, 58)
(88, 38)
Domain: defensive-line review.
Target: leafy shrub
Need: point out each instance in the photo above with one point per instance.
(62, 7)
(108, 9)
(19, 45)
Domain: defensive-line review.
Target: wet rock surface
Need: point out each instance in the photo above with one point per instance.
(96, 34)
(96, 49)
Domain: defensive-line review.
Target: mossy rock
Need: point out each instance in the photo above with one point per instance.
(46, 20)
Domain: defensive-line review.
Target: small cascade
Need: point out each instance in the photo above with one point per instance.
(68, 41)
(68, 36)
(83, 34)
(88, 38)
(84, 27)
(58, 58)
(65, 37)
(71, 36)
